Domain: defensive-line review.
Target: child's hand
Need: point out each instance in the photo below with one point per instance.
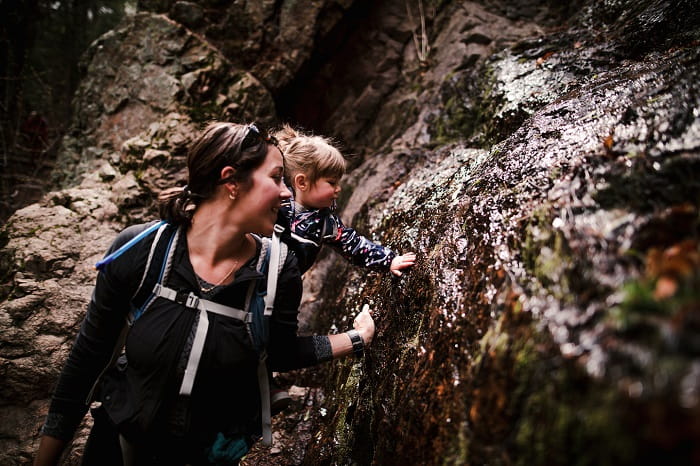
(364, 324)
(402, 262)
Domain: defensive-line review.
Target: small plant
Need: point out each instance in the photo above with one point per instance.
(420, 40)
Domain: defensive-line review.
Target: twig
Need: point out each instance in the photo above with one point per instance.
(421, 44)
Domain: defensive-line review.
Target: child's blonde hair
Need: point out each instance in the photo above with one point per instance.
(313, 156)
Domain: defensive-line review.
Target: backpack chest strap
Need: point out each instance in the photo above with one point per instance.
(195, 302)
(204, 306)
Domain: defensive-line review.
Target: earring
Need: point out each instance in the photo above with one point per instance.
(232, 196)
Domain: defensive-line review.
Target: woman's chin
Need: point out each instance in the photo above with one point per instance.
(266, 230)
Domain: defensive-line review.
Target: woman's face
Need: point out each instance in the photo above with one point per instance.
(259, 203)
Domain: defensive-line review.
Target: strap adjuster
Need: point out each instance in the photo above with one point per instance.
(181, 297)
(192, 301)
(187, 299)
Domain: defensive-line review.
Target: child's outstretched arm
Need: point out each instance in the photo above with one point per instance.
(402, 262)
(363, 252)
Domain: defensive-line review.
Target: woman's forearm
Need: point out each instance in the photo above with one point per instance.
(50, 450)
(355, 340)
(340, 345)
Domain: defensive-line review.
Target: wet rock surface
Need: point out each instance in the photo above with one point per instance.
(541, 160)
(538, 321)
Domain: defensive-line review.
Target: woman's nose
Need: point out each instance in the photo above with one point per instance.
(285, 193)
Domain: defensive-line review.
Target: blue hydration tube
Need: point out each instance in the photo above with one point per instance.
(101, 264)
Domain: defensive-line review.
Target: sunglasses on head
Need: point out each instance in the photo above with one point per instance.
(253, 136)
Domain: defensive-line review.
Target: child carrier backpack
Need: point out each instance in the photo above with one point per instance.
(259, 304)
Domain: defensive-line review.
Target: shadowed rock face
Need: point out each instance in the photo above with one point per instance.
(542, 161)
(538, 322)
(537, 315)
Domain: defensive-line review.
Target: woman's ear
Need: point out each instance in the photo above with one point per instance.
(300, 182)
(231, 186)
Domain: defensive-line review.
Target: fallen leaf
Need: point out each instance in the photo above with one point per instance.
(608, 143)
(544, 58)
(665, 287)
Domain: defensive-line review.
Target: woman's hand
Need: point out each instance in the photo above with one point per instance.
(364, 324)
(402, 262)
(341, 343)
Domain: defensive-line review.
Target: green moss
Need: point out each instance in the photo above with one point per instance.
(561, 423)
(562, 417)
(461, 450)
(555, 414)
(640, 305)
(462, 118)
(343, 432)
(546, 254)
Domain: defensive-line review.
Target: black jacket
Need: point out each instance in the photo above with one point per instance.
(225, 396)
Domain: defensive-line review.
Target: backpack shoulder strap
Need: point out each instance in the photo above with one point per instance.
(278, 256)
(273, 253)
(157, 245)
(157, 269)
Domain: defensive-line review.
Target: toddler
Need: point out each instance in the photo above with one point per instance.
(313, 170)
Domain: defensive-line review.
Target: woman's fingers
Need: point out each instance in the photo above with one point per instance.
(365, 324)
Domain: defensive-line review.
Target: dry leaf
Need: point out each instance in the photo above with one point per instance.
(544, 58)
(665, 287)
(608, 143)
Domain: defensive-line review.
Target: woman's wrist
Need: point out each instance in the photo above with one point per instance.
(358, 342)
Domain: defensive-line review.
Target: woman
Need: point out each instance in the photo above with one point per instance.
(235, 188)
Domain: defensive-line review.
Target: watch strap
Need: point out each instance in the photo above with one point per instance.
(358, 345)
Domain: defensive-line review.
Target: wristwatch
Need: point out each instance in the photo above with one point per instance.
(358, 345)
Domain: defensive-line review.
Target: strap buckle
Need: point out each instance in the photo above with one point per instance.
(192, 301)
(187, 299)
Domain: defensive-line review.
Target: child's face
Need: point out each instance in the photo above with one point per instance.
(320, 194)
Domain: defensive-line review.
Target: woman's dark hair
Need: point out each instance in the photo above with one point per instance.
(242, 147)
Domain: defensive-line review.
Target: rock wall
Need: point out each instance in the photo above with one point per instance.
(540, 158)
(551, 200)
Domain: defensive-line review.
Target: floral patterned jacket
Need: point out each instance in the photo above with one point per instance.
(306, 230)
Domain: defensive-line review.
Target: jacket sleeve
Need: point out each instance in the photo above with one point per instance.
(287, 350)
(96, 341)
(357, 249)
